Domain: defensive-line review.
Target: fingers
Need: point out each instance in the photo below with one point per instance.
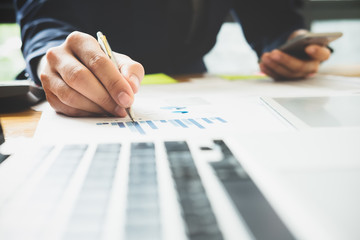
(131, 70)
(318, 53)
(268, 71)
(88, 51)
(60, 107)
(279, 65)
(63, 95)
(284, 66)
(81, 80)
(75, 77)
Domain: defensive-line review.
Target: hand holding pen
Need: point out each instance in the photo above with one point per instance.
(79, 79)
(105, 46)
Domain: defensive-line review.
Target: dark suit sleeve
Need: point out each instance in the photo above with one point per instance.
(44, 24)
(267, 24)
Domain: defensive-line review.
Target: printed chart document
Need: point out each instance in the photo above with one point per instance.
(211, 106)
(161, 121)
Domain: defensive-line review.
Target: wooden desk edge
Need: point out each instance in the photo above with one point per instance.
(20, 124)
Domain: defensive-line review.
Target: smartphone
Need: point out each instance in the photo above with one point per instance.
(296, 46)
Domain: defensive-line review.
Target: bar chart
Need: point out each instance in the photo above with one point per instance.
(145, 127)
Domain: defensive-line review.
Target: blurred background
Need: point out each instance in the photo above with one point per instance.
(231, 54)
(228, 56)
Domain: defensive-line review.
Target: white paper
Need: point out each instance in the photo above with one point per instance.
(211, 106)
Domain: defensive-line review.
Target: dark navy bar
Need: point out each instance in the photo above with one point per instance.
(151, 124)
(121, 125)
(180, 123)
(196, 123)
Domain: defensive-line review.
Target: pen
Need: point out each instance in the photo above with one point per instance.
(106, 48)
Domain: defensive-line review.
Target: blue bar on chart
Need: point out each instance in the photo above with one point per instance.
(151, 124)
(180, 123)
(220, 119)
(135, 127)
(207, 120)
(179, 111)
(196, 123)
(186, 122)
(174, 123)
(139, 128)
(131, 126)
(143, 126)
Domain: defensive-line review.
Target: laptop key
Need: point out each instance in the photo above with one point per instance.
(87, 218)
(143, 219)
(256, 211)
(197, 213)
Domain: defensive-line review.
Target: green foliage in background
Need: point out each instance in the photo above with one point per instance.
(11, 59)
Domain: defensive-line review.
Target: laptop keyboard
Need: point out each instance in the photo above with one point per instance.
(87, 218)
(143, 210)
(53, 183)
(249, 201)
(141, 205)
(197, 213)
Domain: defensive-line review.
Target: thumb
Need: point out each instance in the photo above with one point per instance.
(131, 70)
(319, 53)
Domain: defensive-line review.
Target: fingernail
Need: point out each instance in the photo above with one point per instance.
(135, 80)
(124, 100)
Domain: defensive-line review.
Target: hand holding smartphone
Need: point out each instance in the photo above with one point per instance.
(296, 46)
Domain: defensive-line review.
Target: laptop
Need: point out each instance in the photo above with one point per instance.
(162, 189)
(282, 185)
(311, 176)
(317, 112)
